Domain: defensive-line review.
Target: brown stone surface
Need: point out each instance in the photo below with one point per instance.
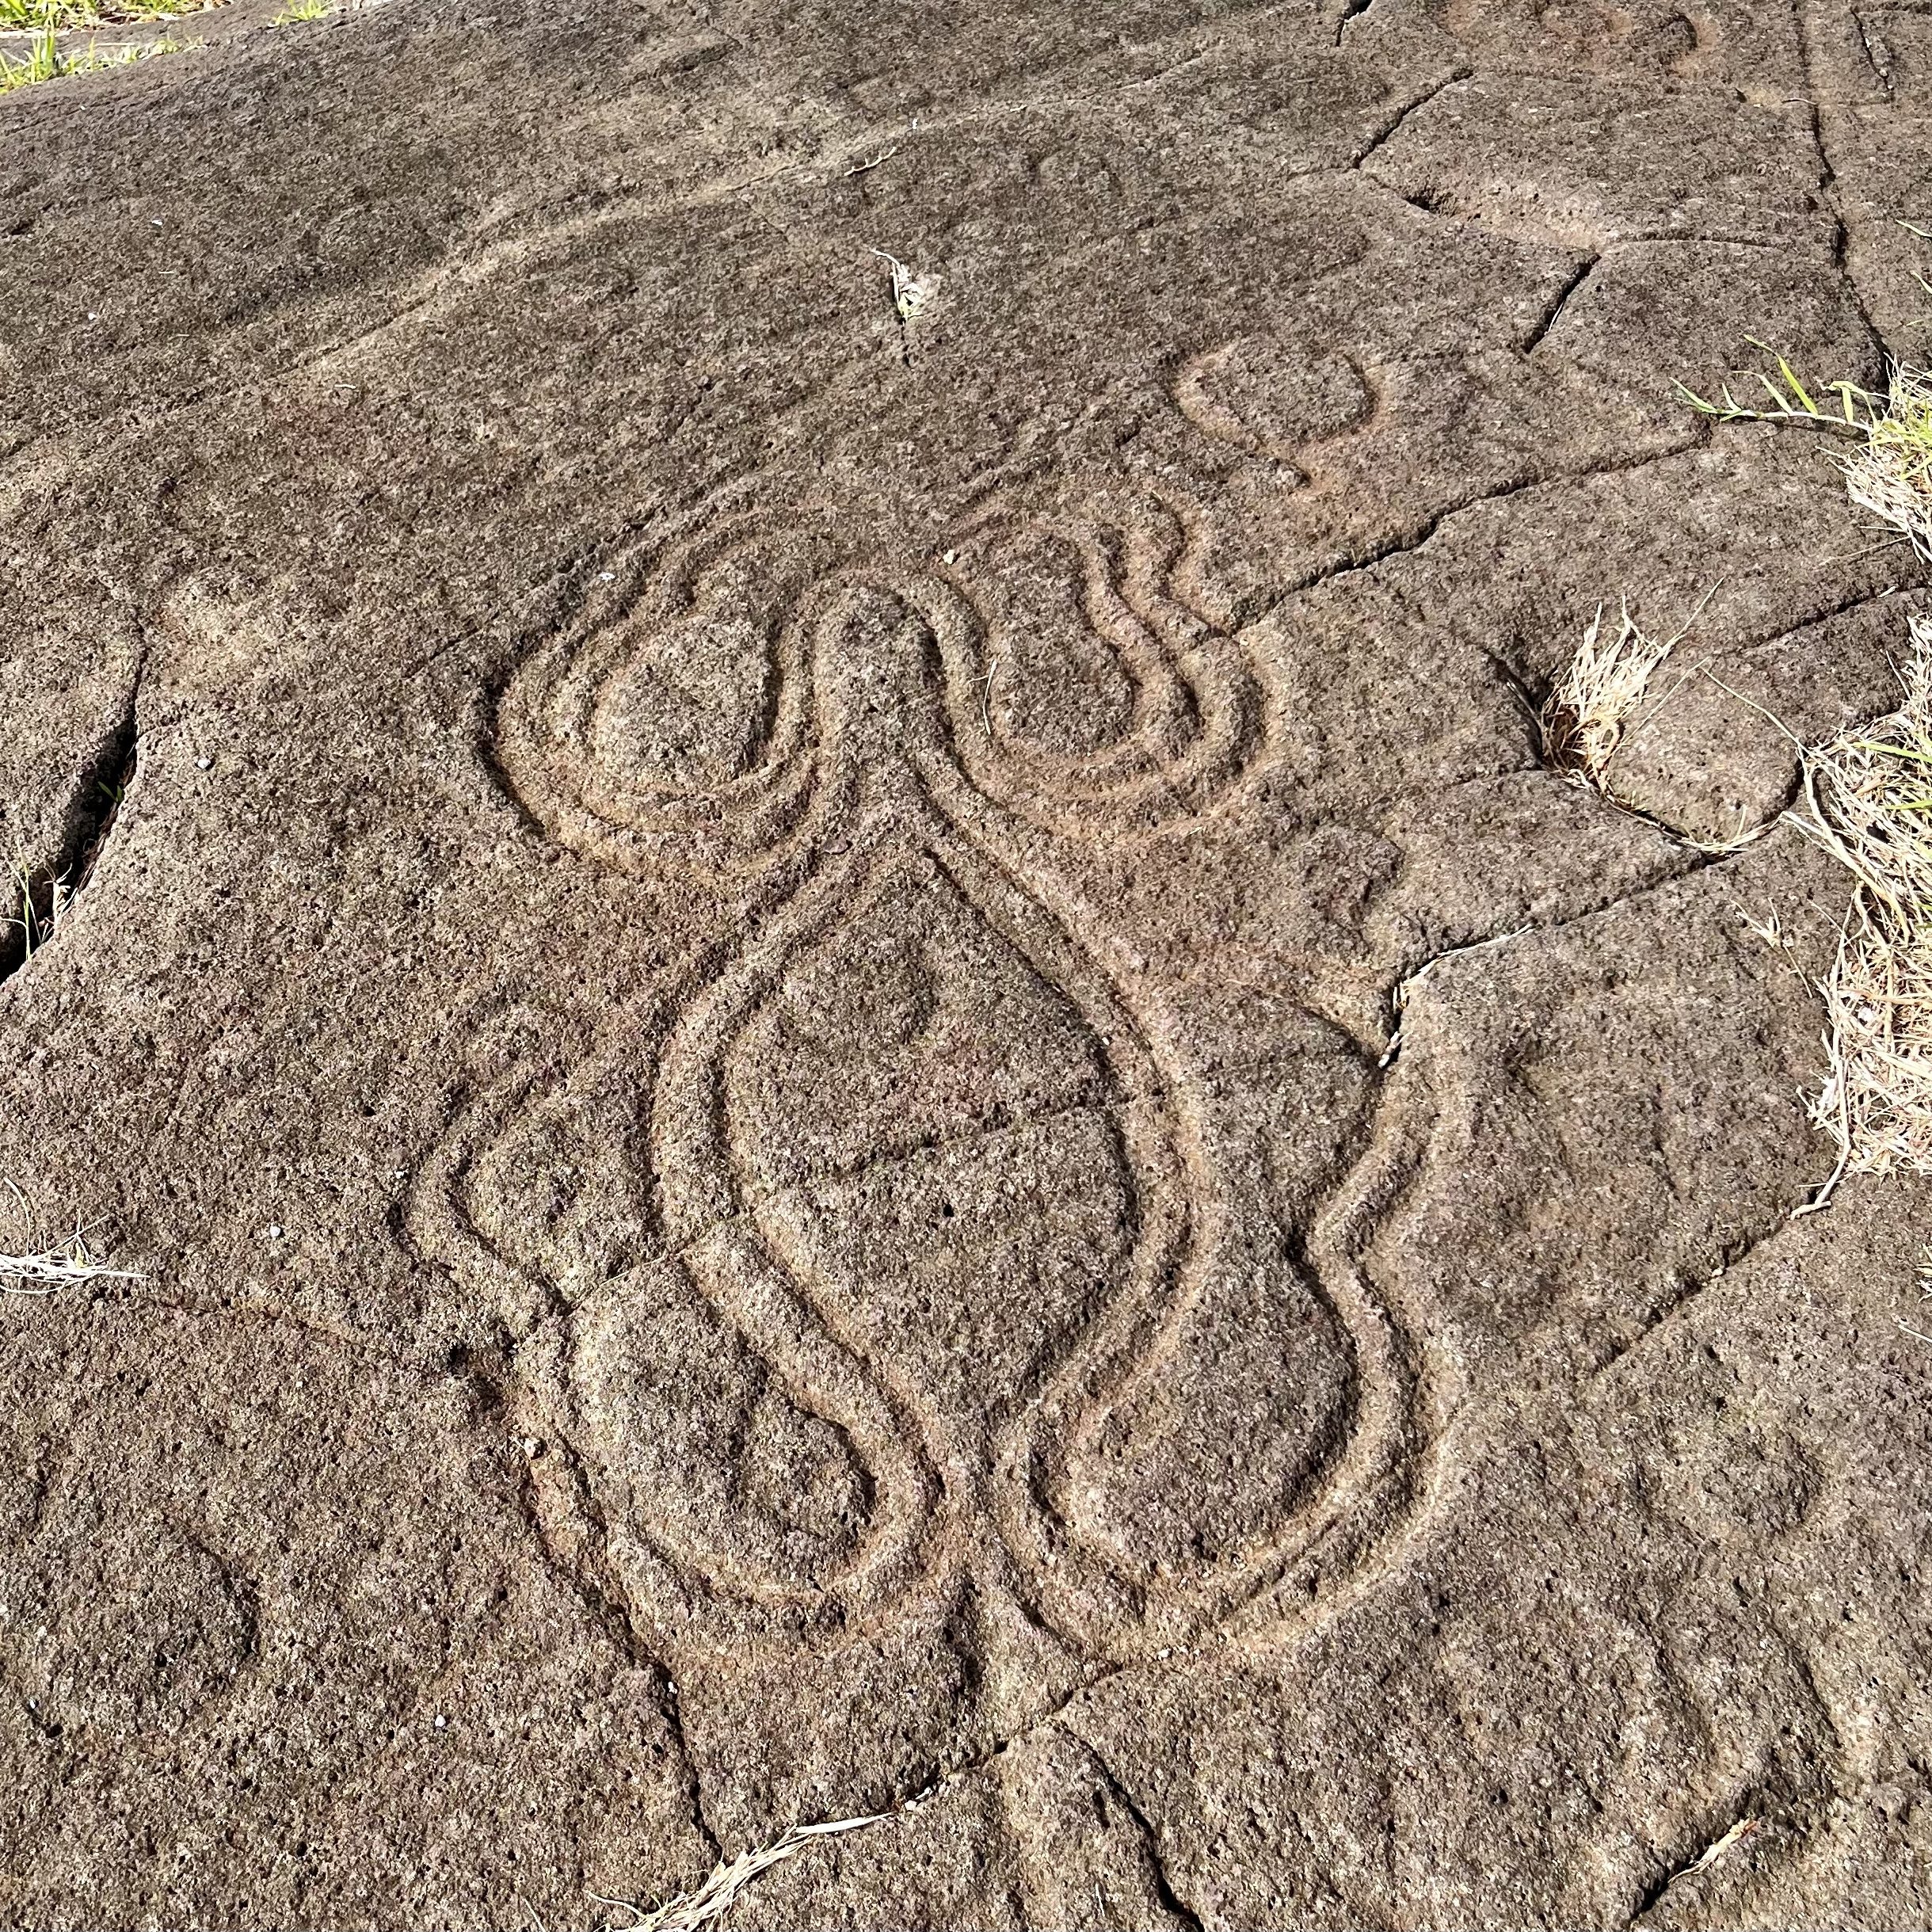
(741, 1009)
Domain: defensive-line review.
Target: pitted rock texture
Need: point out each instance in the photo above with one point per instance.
(815, 955)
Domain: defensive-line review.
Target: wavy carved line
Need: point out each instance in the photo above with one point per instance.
(693, 1158)
(698, 1185)
(747, 1280)
(1201, 718)
(1167, 1167)
(444, 1224)
(547, 716)
(1192, 685)
(1387, 1493)
(1113, 1349)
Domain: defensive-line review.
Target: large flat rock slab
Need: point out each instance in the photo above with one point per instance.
(815, 966)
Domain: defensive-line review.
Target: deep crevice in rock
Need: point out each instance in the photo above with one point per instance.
(42, 894)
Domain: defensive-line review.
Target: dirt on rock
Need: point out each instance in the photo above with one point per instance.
(796, 920)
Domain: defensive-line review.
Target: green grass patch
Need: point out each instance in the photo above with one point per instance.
(46, 60)
(64, 16)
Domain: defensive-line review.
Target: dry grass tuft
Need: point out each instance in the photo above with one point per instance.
(1892, 475)
(910, 292)
(1591, 705)
(46, 1270)
(712, 1899)
(1870, 799)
